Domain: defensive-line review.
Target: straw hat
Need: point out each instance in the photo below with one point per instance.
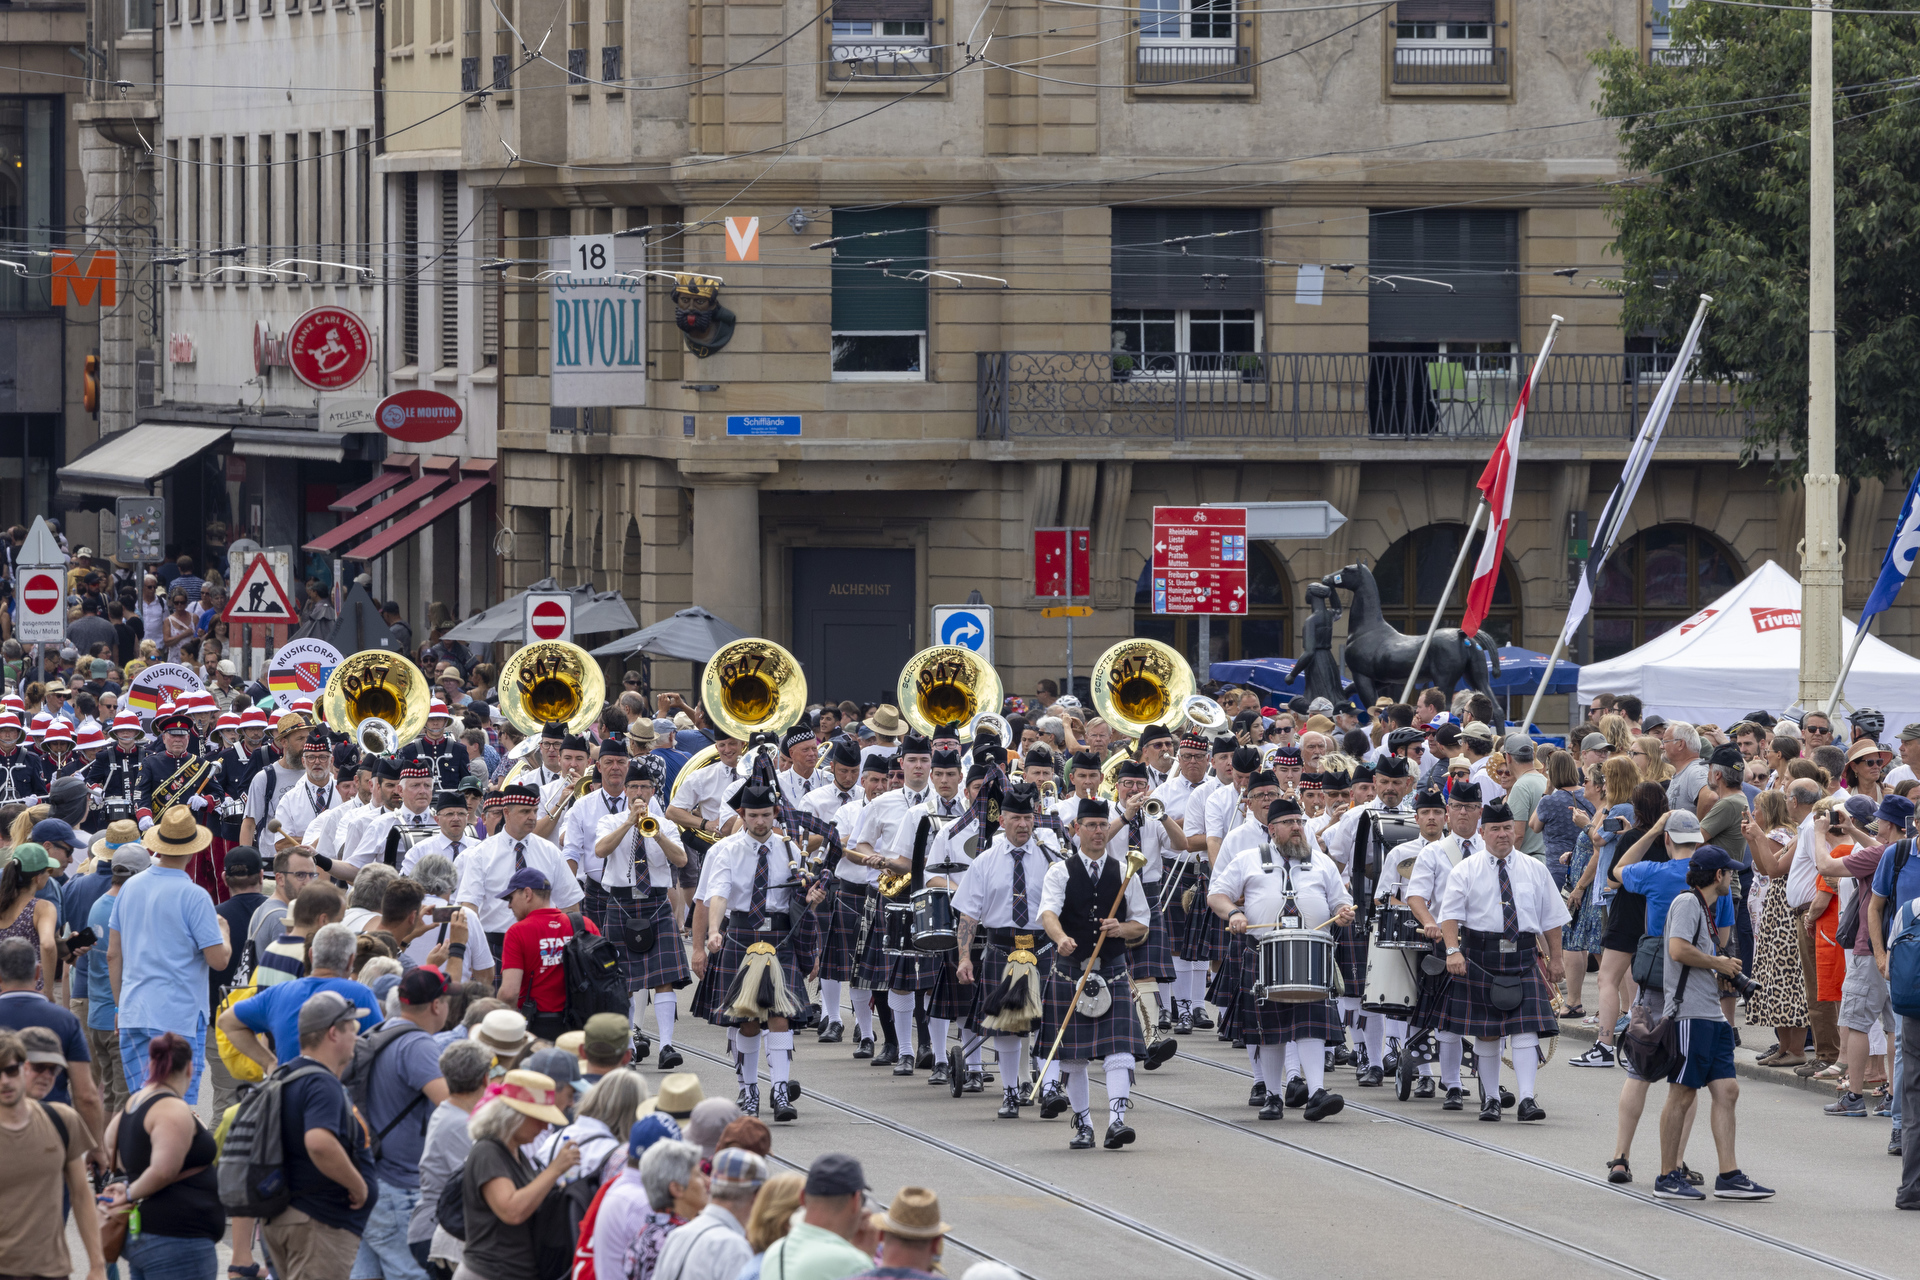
(176, 834)
(914, 1215)
(679, 1094)
(1867, 747)
(125, 831)
(531, 1094)
(504, 1033)
(885, 721)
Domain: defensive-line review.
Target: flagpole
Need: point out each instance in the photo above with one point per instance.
(1859, 635)
(1426, 641)
(1541, 691)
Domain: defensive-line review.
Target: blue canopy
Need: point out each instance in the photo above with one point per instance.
(1520, 671)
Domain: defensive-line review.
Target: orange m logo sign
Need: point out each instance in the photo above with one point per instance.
(102, 276)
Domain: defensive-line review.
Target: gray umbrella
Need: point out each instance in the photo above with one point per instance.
(594, 612)
(692, 635)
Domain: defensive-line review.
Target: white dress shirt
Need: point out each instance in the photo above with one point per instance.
(580, 828)
(1339, 837)
(452, 850)
(479, 957)
(1317, 887)
(1802, 879)
(371, 845)
(1053, 889)
(986, 894)
(299, 806)
(616, 870)
(795, 788)
(1250, 834)
(885, 815)
(322, 828)
(1193, 815)
(1223, 810)
(1392, 883)
(735, 862)
(706, 792)
(1433, 868)
(909, 830)
(846, 820)
(1473, 895)
(1152, 841)
(827, 801)
(487, 868)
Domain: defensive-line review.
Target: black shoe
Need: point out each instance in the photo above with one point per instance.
(783, 1102)
(1274, 1109)
(1164, 1022)
(886, 1057)
(1182, 1018)
(1371, 1078)
(1239, 1042)
(1360, 1060)
(1490, 1109)
(832, 1033)
(1200, 1019)
(1390, 1062)
(1053, 1100)
(1082, 1132)
(1257, 1097)
(1159, 1051)
(865, 1048)
(750, 1103)
(1119, 1134)
(956, 1072)
(793, 1090)
(1341, 1057)
(904, 1067)
(941, 1074)
(1296, 1094)
(1009, 1104)
(1423, 1087)
(1456, 1099)
(670, 1057)
(642, 1046)
(976, 1082)
(1324, 1104)
(924, 1059)
(1529, 1111)
(1506, 1098)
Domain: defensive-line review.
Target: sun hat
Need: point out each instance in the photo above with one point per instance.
(531, 1094)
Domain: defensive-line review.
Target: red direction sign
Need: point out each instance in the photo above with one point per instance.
(328, 348)
(1199, 560)
(550, 616)
(1060, 555)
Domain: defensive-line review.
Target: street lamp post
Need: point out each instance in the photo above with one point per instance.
(1821, 570)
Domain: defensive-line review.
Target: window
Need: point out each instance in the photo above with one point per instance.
(219, 10)
(29, 170)
(267, 224)
(140, 14)
(196, 224)
(1212, 341)
(879, 316)
(1198, 297)
(315, 215)
(217, 183)
(875, 39)
(290, 165)
(448, 285)
(579, 24)
(401, 38)
(342, 222)
(1451, 275)
(1660, 32)
(1655, 581)
(470, 46)
(409, 265)
(1182, 41)
(503, 47)
(1447, 42)
(240, 200)
(613, 47)
(175, 205)
(1265, 632)
(173, 11)
(1413, 573)
(363, 203)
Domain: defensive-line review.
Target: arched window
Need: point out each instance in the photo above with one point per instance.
(1414, 572)
(1656, 580)
(1265, 632)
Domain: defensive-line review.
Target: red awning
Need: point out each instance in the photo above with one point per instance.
(366, 493)
(394, 506)
(414, 521)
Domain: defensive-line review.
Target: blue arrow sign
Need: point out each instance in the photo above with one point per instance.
(963, 629)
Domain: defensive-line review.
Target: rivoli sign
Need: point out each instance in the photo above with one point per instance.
(597, 336)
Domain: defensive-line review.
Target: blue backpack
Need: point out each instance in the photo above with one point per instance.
(1903, 960)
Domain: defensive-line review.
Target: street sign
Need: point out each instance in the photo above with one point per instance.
(1200, 560)
(259, 597)
(1060, 556)
(418, 416)
(329, 348)
(549, 616)
(1285, 521)
(1068, 611)
(43, 595)
(968, 625)
(763, 424)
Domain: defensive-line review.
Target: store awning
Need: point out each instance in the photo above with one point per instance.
(406, 526)
(692, 635)
(308, 446)
(367, 492)
(398, 505)
(594, 612)
(123, 464)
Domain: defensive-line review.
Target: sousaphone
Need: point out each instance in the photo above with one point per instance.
(381, 686)
(948, 684)
(551, 681)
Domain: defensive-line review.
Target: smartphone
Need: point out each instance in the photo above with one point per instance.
(82, 938)
(1614, 824)
(1834, 824)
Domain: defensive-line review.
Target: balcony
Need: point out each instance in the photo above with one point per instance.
(1158, 64)
(884, 60)
(1477, 65)
(1039, 395)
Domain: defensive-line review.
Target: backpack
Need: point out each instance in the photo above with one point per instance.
(450, 1210)
(596, 980)
(583, 1247)
(1903, 960)
(252, 1173)
(359, 1077)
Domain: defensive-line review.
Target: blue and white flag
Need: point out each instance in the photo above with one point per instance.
(1900, 554)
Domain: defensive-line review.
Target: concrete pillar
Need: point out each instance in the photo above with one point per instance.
(726, 541)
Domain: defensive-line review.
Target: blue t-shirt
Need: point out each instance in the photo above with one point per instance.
(403, 1068)
(1660, 883)
(320, 1101)
(275, 1011)
(1909, 887)
(76, 902)
(22, 1009)
(165, 921)
(101, 1007)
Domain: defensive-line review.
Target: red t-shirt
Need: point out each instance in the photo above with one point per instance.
(533, 946)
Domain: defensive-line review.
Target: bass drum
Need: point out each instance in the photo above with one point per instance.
(1393, 978)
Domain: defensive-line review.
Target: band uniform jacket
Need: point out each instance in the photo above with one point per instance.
(158, 768)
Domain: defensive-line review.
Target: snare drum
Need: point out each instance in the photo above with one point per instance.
(1393, 982)
(898, 939)
(1396, 928)
(1296, 966)
(933, 920)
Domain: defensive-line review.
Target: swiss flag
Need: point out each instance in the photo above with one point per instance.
(1496, 487)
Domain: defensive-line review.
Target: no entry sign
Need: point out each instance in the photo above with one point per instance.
(42, 620)
(549, 616)
(1199, 560)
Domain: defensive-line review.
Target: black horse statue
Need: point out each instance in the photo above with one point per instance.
(1381, 657)
(1318, 668)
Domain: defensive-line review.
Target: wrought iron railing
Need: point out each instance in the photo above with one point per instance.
(1193, 64)
(1357, 396)
(884, 60)
(1479, 65)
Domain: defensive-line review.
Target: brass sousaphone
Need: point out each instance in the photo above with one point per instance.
(947, 684)
(551, 681)
(1137, 684)
(381, 686)
(750, 686)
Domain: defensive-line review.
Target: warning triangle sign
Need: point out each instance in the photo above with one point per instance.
(259, 597)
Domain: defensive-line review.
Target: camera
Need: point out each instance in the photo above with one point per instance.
(1742, 985)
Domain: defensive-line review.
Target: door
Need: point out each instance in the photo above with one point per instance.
(853, 620)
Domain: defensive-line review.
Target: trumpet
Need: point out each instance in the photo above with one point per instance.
(1153, 810)
(578, 791)
(648, 826)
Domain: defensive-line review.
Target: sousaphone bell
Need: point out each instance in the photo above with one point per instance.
(947, 684)
(380, 686)
(753, 686)
(551, 681)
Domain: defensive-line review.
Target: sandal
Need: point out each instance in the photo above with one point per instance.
(1618, 1172)
(249, 1272)
(1578, 1011)
(1785, 1062)
(1693, 1179)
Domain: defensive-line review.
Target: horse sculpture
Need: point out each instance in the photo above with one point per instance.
(1380, 656)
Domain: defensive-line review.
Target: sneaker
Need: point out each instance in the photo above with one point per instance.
(1884, 1108)
(1894, 1147)
(1598, 1056)
(1674, 1186)
(1847, 1104)
(1738, 1186)
(1810, 1068)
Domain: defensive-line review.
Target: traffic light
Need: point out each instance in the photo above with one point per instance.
(90, 386)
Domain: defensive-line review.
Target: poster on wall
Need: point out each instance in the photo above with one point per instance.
(597, 328)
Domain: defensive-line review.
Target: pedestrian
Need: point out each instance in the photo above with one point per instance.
(713, 1245)
(502, 1190)
(443, 1156)
(24, 914)
(103, 1034)
(912, 1237)
(1810, 903)
(22, 1006)
(819, 1247)
(1865, 1001)
(774, 1211)
(602, 1120)
(1582, 937)
(329, 1157)
(45, 1171)
(168, 1156)
(403, 1087)
(1781, 1001)
(533, 978)
(626, 1209)
(275, 1011)
(164, 942)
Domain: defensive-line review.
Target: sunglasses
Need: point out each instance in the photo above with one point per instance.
(45, 1068)
(8, 1073)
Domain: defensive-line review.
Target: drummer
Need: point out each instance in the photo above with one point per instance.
(1429, 814)
(1426, 886)
(1183, 793)
(884, 826)
(1284, 885)
(1151, 963)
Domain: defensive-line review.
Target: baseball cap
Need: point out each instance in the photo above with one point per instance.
(1519, 746)
(1447, 735)
(835, 1174)
(1478, 731)
(1653, 724)
(130, 860)
(1594, 742)
(55, 830)
(737, 1169)
(1713, 857)
(32, 858)
(324, 1011)
(1861, 808)
(424, 984)
(1911, 733)
(562, 1066)
(648, 1130)
(1683, 828)
(606, 1034)
(527, 878)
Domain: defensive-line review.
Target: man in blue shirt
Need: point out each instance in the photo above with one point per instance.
(328, 1155)
(164, 939)
(403, 1088)
(275, 1011)
(1662, 882)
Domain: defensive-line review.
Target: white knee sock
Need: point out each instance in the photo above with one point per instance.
(1119, 1084)
(1486, 1060)
(901, 1003)
(1452, 1049)
(1526, 1062)
(1186, 981)
(1395, 1029)
(1376, 1035)
(748, 1056)
(830, 989)
(1007, 1049)
(780, 1055)
(1077, 1096)
(1271, 1065)
(1313, 1063)
(665, 1006)
(1293, 1058)
(862, 1014)
(1253, 1055)
(937, 1029)
(1052, 1073)
(1349, 1007)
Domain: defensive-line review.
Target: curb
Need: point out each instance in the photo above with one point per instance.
(1744, 1066)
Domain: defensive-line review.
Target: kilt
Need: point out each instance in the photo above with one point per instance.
(665, 965)
(1275, 1022)
(1233, 985)
(1153, 958)
(913, 971)
(947, 998)
(1194, 933)
(1434, 992)
(875, 969)
(1115, 1031)
(848, 904)
(990, 968)
(1470, 1010)
(1350, 953)
(733, 950)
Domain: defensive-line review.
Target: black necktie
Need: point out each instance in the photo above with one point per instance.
(1509, 913)
(759, 904)
(1019, 889)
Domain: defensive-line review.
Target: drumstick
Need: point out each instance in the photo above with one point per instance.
(1275, 924)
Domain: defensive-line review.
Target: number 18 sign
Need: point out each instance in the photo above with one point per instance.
(598, 335)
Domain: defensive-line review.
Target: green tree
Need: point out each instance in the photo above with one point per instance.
(1717, 136)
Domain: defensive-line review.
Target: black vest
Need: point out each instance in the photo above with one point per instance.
(1086, 901)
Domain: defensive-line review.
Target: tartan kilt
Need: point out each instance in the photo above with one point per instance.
(1116, 1031)
(1276, 1022)
(1470, 1010)
(913, 971)
(845, 906)
(1233, 985)
(1434, 992)
(1194, 933)
(733, 951)
(1350, 953)
(989, 969)
(1153, 958)
(948, 999)
(666, 965)
(874, 969)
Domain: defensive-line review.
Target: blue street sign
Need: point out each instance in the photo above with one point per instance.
(763, 424)
(968, 626)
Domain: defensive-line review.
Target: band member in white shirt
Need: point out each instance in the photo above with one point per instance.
(382, 838)
(999, 899)
(800, 774)
(580, 826)
(378, 780)
(486, 869)
(853, 901)
(547, 769)
(628, 875)
(1156, 751)
(300, 805)
(876, 840)
(1151, 963)
(1183, 794)
(700, 806)
(1426, 885)
(452, 841)
(576, 757)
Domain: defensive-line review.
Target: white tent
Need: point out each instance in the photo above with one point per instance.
(1742, 653)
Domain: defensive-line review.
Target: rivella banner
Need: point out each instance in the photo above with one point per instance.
(597, 330)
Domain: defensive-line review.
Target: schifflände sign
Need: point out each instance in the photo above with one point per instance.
(597, 328)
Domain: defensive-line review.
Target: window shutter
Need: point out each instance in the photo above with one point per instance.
(1443, 11)
(883, 10)
(1212, 274)
(1477, 251)
(864, 300)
